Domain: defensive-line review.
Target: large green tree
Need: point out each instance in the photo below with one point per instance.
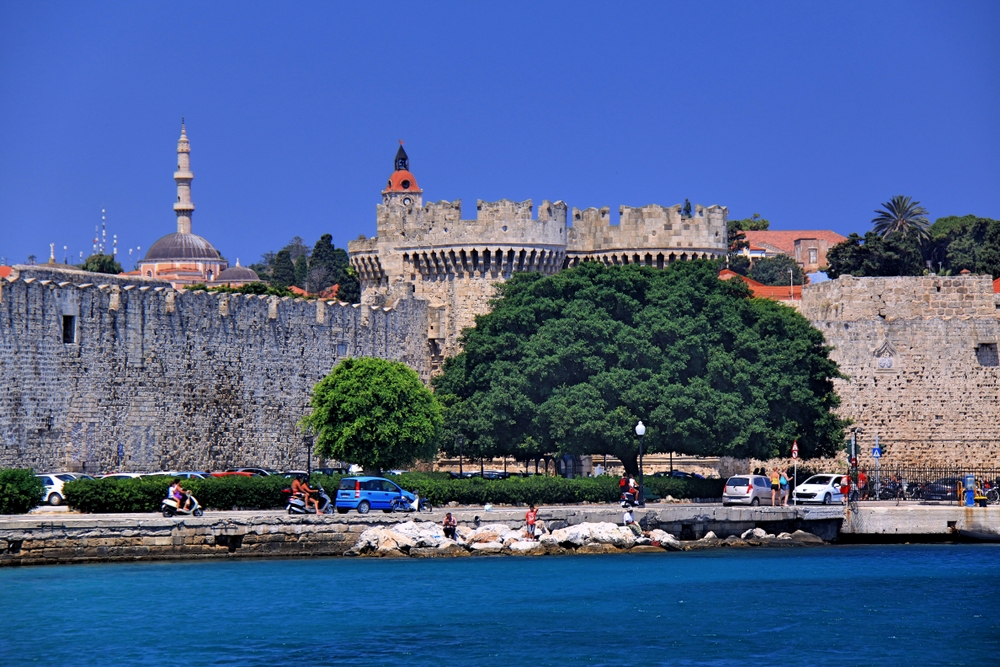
(329, 266)
(375, 413)
(570, 363)
(965, 242)
(874, 255)
(283, 273)
(774, 270)
(99, 263)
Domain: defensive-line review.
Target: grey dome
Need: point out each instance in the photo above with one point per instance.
(182, 246)
(238, 274)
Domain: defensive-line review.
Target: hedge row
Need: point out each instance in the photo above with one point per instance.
(146, 494)
(20, 490)
(547, 490)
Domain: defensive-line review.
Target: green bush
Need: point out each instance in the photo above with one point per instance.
(236, 492)
(147, 493)
(20, 490)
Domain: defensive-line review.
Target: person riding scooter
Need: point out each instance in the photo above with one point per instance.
(300, 487)
(179, 496)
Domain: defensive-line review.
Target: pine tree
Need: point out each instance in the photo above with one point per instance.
(284, 270)
(301, 271)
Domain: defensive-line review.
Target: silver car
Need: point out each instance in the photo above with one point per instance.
(747, 490)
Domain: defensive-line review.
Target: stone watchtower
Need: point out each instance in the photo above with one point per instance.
(430, 252)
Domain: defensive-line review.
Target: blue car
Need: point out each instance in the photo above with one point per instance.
(367, 493)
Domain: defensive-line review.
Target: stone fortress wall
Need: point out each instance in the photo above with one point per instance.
(921, 355)
(430, 252)
(183, 380)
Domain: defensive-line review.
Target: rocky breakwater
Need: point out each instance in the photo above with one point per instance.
(427, 540)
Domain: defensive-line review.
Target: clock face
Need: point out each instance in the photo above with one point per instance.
(407, 201)
(400, 164)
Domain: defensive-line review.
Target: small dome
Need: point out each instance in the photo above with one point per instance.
(182, 246)
(238, 274)
(402, 181)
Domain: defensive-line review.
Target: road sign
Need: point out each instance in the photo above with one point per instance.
(795, 450)
(876, 452)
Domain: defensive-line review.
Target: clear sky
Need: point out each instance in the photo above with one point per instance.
(809, 113)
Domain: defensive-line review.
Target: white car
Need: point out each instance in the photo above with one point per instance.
(121, 475)
(820, 489)
(53, 481)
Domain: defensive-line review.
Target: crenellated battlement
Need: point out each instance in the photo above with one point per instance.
(183, 379)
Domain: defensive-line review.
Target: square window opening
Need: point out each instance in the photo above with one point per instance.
(69, 329)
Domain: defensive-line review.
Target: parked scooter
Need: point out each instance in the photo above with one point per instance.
(170, 508)
(297, 504)
(401, 504)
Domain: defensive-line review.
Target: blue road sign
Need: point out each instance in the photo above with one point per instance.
(876, 452)
(121, 451)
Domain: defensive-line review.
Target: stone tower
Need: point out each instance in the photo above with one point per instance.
(183, 207)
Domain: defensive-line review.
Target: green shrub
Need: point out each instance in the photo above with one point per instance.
(20, 490)
(147, 493)
(237, 492)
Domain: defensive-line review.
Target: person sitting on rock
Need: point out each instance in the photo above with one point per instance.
(449, 524)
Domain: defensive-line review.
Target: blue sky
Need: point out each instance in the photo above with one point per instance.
(809, 113)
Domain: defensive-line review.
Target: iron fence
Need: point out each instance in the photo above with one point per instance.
(897, 482)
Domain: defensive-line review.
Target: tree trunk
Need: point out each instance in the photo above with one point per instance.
(631, 464)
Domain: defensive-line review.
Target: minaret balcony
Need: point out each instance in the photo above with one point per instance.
(184, 206)
(183, 175)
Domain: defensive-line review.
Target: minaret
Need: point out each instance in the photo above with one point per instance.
(183, 207)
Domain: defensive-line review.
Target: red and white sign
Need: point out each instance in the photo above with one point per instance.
(795, 449)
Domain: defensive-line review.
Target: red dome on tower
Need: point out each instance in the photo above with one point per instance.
(402, 180)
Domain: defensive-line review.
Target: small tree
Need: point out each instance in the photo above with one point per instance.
(284, 270)
(774, 270)
(100, 263)
(375, 413)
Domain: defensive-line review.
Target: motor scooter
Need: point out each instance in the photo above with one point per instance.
(297, 504)
(401, 504)
(170, 508)
(628, 499)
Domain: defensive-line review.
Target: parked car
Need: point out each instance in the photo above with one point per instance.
(53, 481)
(747, 490)
(235, 473)
(263, 472)
(495, 474)
(289, 474)
(331, 471)
(945, 488)
(121, 475)
(368, 493)
(679, 474)
(820, 489)
(189, 474)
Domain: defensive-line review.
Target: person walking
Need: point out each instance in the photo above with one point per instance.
(530, 518)
(775, 485)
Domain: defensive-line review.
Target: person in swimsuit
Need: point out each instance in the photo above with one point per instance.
(775, 485)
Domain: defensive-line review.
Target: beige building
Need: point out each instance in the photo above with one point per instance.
(183, 258)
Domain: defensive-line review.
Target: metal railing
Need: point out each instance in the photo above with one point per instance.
(925, 483)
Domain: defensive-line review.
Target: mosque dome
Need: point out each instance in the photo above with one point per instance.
(180, 245)
(238, 274)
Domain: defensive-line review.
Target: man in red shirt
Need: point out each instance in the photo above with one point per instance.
(530, 517)
(862, 485)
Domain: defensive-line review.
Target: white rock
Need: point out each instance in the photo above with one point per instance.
(665, 539)
(784, 536)
(710, 535)
(489, 547)
(526, 547)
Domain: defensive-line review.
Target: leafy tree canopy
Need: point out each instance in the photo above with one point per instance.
(752, 224)
(774, 270)
(874, 255)
(99, 263)
(966, 242)
(374, 413)
(571, 362)
(250, 288)
(283, 274)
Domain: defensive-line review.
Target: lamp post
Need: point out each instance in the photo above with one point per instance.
(460, 440)
(791, 284)
(308, 442)
(640, 430)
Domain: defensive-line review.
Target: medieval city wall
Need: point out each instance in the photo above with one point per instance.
(921, 358)
(183, 380)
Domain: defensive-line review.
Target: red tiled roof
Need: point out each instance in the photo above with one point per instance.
(775, 292)
(784, 240)
(298, 290)
(4, 271)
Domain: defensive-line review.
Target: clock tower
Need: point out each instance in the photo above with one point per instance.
(402, 187)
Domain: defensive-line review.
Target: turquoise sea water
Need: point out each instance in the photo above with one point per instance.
(849, 605)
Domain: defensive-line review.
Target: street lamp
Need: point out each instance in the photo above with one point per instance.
(640, 430)
(791, 284)
(460, 440)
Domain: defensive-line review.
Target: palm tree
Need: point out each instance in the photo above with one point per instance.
(904, 216)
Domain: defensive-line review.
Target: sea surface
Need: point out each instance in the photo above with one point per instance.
(840, 605)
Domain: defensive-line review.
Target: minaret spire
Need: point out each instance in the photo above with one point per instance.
(183, 207)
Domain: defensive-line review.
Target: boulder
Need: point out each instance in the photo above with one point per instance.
(784, 536)
(527, 548)
(806, 538)
(598, 548)
(755, 533)
(451, 549)
(422, 534)
(487, 547)
(666, 540)
(588, 533)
